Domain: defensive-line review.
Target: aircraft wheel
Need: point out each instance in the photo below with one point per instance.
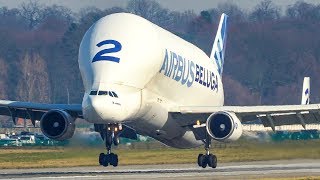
(106, 160)
(203, 161)
(114, 160)
(199, 159)
(212, 160)
(101, 158)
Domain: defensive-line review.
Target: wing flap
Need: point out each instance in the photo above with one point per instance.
(270, 116)
(289, 119)
(34, 111)
(39, 106)
(247, 110)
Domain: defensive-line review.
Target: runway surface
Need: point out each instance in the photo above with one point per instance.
(240, 170)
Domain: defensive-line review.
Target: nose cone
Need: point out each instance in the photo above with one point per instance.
(106, 109)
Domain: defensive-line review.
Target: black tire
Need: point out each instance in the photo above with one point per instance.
(211, 160)
(101, 158)
(113, 160)
(199, 161)
(115, 164)
(214, 161)
(106, 160)
(203, 161)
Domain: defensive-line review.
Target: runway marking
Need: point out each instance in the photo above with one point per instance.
(261, 169)
(167, 171)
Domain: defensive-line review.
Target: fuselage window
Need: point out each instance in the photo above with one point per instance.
(114, 94)
(103, 93)
(93, 92)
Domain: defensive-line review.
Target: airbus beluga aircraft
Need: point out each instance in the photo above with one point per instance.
(142, 79)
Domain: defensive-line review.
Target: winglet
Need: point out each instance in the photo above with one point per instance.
(219, 44)
(305, 97)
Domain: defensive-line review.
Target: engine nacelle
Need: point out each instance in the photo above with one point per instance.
(57, 125)
(224, 126)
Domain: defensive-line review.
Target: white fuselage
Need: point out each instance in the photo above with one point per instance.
(151, 70)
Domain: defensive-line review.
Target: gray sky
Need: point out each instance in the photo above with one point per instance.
(180, 5)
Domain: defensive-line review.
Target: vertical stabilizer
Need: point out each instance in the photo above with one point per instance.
(219, 44)
(305, 97)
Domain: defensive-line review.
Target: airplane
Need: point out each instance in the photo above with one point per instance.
(141, 79)
(305, 97)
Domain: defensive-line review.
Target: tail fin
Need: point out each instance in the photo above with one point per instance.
(305, 97)
(219, 44)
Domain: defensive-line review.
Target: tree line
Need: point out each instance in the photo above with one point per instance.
(269, 50)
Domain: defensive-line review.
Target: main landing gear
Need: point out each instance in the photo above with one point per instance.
(110, 134)
(207, 158)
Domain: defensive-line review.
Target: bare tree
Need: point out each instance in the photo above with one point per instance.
(33, 85)
(233, 11)
(150, 10)
(32, 13)
(205, 15)
(265, 11)
(11, 18)
(3, 79)
(89, 15)
(58, 12)
(303, 10)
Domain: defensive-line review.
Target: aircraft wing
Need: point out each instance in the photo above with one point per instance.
(270, 116)
(34, 111)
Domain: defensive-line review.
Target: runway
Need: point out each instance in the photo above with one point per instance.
(240, 170)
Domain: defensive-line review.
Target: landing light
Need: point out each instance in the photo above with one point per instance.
(198, 122)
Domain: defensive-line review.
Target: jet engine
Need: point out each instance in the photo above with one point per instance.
(224, 126)
(57, 125)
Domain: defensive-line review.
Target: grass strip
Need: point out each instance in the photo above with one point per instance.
(88, 156)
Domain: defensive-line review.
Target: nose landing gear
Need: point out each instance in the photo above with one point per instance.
(110, 134)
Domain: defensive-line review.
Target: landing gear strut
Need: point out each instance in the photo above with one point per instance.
(207, 158)
(110, 134)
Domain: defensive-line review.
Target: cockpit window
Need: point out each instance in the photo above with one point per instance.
(93, 92)
(114, 94)
(103, 93)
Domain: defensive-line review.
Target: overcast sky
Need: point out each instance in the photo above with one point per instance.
(180, 5)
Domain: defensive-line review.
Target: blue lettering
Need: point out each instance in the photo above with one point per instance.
(171, 65)
(213, 82)
(101, 55)
(185, 71)
(204, 77)
(201, 75)
(175, 61)
(191, 69)
(197, 73)
(209, 80)
(180, 68)
(216, 86)
(165, 63)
